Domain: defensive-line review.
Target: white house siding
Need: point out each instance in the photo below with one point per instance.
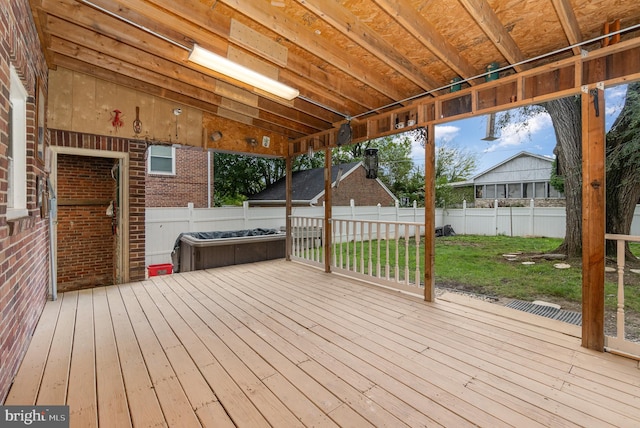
(518, 170)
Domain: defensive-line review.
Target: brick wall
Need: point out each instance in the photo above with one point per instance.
(85, 241)
(24, 256)
(188, 185)
(136, 213)
(364, 191)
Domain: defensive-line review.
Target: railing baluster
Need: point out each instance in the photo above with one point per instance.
(362, 248)
(621, 247)
(397, 261)
(406, 253)
(378, 236)
(416, 234)
(355, 245)
(387, 257)
(370, 263)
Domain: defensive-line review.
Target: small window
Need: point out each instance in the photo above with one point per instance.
(491, 191)
(527, 190)
(515, 190)
(479, 191)
(501, 190)
(540, 191)
(162, 160)
(17, 149)
(553, 192)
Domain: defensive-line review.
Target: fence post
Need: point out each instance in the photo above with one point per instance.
(379, 211)
(190, 211)
(531, 217)
(495, 215)
(245, 214)
(464, 216)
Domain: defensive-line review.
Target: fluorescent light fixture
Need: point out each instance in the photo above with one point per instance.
(229, 68)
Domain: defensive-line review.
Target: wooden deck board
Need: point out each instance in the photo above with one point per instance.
(28, 380)
(282, 344)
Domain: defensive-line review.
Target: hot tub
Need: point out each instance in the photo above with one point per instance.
(205, 250)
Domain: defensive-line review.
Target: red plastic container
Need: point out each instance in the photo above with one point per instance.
(161, 269)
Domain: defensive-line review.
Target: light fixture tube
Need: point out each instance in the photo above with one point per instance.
(236, 71)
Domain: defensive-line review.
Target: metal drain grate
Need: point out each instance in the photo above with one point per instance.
(547, 311)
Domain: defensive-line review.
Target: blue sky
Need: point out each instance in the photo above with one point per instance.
(537, 136)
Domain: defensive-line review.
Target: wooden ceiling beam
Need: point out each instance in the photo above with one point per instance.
(173, 69)
(170, 82)
(279, 23)
(354, 29)
(569, 23)
(198, 23)
(487, 19)
(162, 92)
(426, 33)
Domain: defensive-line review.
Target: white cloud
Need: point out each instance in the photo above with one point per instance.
(446, 133)
(518, 134)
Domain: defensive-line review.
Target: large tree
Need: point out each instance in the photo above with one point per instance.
(623, 166)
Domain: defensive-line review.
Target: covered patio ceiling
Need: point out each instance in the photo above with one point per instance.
(348, 58)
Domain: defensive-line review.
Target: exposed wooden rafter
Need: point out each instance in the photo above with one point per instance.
(491, 25)
(569, 22)
(426, 33)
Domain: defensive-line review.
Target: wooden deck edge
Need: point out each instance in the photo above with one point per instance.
(514, 314)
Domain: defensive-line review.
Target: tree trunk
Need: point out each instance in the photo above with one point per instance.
(566, 115)
(623, 169)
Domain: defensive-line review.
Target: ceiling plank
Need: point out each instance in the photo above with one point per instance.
(353, 28)
(279, 23)
(426, 33)
(200, 92)
(213, 31)
(174, 68)
(567, 18)
(487, 19)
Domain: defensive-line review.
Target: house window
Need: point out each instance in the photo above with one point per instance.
(162, 160)
(17, 149)
(491, 191)
(540, 191)
(515, 190)
(479, 192)
(553, 192)
(527, 190)
(501, 190)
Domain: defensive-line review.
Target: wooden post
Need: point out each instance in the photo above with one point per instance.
(429, 213)
(593, 217)
(288, 209)
(327, 211)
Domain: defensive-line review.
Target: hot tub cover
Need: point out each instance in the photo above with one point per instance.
(218, 234)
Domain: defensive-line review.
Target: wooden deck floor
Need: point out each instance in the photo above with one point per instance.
(285, 345)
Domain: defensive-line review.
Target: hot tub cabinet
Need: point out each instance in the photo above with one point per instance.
(197, 253)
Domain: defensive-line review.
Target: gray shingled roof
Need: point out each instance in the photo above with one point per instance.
(307, 184)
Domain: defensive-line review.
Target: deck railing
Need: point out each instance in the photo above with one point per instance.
(620, 343)
(384, 252)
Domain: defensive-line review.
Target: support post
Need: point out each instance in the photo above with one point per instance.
(428, 135)
(593, 217)
(328, 213)
(288, 206)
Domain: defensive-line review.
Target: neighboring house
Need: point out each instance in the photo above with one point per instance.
(177, 175)
(349, 182)
(515, 182)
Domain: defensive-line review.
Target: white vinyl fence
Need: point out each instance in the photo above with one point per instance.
(163, 225)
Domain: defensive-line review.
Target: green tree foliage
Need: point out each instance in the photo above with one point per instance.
(396, 168)
(238, 176)
(452, 165)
